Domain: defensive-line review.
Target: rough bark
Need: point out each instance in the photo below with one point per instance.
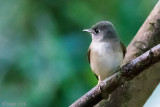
(136, 92)
(124, 74)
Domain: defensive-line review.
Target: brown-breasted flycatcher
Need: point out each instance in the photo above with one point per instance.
(106, 52)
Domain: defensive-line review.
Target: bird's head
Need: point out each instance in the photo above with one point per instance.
(102, 31)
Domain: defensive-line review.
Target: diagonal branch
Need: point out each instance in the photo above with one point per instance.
(136, 92)
(124, 74)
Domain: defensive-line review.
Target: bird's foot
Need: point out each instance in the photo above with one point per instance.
(99, 85)
(105, 94)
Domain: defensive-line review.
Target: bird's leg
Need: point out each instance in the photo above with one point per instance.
(99, 82)
(105, 95)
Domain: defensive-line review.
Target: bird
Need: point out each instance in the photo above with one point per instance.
(106, 52)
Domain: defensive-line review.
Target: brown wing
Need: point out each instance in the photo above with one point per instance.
(123, 49)
(88, 55)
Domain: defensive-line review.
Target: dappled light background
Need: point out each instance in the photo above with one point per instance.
(43, 50)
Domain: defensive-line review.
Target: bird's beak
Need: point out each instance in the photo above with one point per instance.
(88, 30)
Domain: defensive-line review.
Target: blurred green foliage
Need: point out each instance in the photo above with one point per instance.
(43, 49)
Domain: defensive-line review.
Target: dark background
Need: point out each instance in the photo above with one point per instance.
(43, 50)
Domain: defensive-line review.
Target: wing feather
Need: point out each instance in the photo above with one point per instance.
(88, 55)
(123, 49)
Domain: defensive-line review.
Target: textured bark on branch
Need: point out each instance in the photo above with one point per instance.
(124, 74)
(135, 92)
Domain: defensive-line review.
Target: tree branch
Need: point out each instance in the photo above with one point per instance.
(136, 92)
(125, 73)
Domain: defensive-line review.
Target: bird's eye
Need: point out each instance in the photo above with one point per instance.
(96, 31)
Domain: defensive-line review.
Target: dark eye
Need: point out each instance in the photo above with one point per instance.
(96, 31)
